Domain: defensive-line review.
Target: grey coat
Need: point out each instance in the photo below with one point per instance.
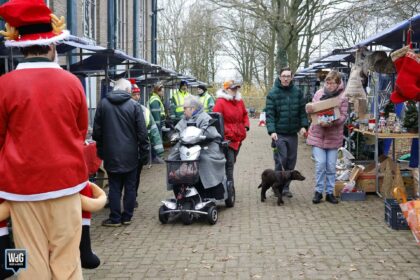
(212, 160)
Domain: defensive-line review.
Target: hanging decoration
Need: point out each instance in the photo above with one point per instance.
(407, 64)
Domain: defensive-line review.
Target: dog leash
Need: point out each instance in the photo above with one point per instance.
(275, 146)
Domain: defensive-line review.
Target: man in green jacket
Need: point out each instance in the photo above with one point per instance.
(153, 134)
(177, 102)
(205, 98)
(285, 117)
(156, 106)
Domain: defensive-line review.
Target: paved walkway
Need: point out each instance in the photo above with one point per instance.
(256, 240)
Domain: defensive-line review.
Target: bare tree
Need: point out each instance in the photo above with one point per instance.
(239, 45)
(369, 17)
(171, 36)
(266, 34)
(204, 41)
(288, 19)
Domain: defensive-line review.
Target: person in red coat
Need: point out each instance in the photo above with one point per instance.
(230, 104)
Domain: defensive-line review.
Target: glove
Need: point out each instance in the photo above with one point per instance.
(273, 144)
(247, 128)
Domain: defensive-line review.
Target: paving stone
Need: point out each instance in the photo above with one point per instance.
(255, 240)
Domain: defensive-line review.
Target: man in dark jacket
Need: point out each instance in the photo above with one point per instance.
(121, 139)
(285, 117)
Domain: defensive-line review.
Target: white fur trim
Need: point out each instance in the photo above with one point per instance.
(43, 196)
(222, 94)
(4, 231)
(41, 42)
(85, 222)
(37, 65)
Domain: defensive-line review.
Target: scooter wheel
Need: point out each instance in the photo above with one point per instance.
(212, 215)
(230, 201)
(163, 217)
(187, 217)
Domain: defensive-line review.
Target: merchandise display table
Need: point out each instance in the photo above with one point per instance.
(388, 135)
(385, 136)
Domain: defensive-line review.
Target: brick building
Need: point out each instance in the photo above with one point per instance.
(117, 24)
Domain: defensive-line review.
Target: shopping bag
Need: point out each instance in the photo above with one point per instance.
(411, 212)
(93, 162)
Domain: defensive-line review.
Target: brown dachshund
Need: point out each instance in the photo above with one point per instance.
(277, 180)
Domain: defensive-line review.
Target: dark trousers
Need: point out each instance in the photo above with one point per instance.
(139, 169)
(118, 182)
(286, 156)
(231, 155)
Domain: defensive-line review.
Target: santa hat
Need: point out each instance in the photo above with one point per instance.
(134, 87)
(31, 22)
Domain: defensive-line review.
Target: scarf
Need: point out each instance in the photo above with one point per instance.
(330, 94)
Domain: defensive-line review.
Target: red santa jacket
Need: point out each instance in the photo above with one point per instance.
(3, 225)
(43, 124)
(235, 117)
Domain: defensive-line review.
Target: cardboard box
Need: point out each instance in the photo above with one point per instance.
(325, 110)
(327, 115)
(360, 107)
(339, 185)
(324, 104)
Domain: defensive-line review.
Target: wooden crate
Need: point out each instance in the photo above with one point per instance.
(366, 182)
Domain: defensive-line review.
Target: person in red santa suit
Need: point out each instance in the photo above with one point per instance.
(93, 199)
(43, 124)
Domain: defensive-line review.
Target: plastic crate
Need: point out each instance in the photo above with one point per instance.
(394, 216)
(182, 172)
(353, 196)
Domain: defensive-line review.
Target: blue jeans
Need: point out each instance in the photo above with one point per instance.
(118, 182)
(325, 161)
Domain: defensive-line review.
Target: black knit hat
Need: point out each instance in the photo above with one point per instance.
(203, 87)
(183, 83)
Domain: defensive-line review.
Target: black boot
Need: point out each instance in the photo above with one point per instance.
(87, 257)
(317, 198)
(331, 198)
(4, 244)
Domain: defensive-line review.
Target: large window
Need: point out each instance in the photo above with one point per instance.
(121, 24)
(89, 19)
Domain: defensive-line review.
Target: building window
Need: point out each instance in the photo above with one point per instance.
(89, 19)
(121, 24)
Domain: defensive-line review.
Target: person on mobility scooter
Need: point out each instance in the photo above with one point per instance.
(196, 166)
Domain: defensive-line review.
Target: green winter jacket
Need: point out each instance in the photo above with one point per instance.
(157, 109)
(208, 101)
(153, 132)
(285, 109)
